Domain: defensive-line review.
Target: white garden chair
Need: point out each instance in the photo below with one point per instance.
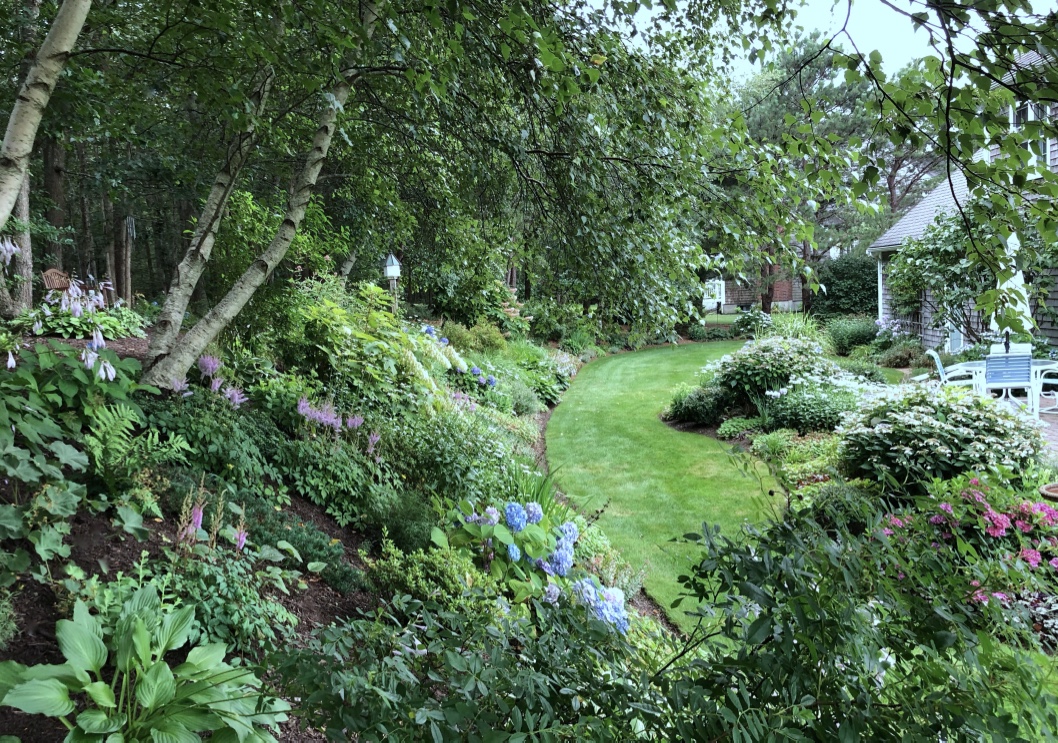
(953, 376)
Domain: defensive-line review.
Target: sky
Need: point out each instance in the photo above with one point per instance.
(872, 26)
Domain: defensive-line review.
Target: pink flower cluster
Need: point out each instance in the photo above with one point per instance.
(328, 417)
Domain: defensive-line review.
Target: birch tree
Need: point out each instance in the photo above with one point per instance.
(33, 100)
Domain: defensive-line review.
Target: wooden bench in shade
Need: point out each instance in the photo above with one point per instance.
(56, 279)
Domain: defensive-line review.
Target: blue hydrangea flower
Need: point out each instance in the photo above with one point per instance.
(429, 331)
(474, 371)
(545, 566)
(534, 512)
(607, 605)
(490, 381)
(491, 517)
(570, 531)
(481, 380)
(551, 594)
(514, 553)
(516, 517)
(561, 560)
(444, 341)
(459, 370)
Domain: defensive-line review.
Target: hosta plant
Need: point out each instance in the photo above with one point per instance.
(126, 691)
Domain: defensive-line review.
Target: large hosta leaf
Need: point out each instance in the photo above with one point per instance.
(80, 646)
(48, 697)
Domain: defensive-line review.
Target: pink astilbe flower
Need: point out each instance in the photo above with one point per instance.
(216, 384)
(235, 396)
(371, 441)
(208, 366)
(355, 422)
(974, 481)
(895, 521)
(937, 520)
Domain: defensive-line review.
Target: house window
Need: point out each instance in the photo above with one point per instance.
(1023, 113)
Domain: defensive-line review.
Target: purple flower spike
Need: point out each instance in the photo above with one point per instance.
(10, 360)
(371, 441)
(216, 384)
(196, 517)
(355, 422)
(208, 365)
(240, 539)
(235, 396)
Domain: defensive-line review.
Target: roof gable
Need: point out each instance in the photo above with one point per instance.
(935, 203)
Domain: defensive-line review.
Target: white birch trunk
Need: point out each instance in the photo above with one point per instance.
(188, 273)
(174, 365)
(33, 99)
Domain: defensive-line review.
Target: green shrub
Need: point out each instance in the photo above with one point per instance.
(848, 332)
(442, 576)
(903, 355)
(863, 369)
(797, 325)
(811, 407)
(703, 333)
(523, 400)
(772, 447)
(734, 428)
(863, 353)
(851, 283)
(766, 365)
(701, 405)
(333, 474)
(750, 322)
(486, 337)
(218, 435)
(921, 432)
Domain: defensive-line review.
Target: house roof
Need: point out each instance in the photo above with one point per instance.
(913, 224)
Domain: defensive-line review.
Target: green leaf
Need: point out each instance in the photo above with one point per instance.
(97, 721)
(316, 567)
(156, 687)
(80, 645)
(101, 693)
(174, 629)
(206, 657)
(69, 456)
(438, 537)
(10, 522)
(48, 697)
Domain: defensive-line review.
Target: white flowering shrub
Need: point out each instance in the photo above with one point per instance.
(920, 432)
(769, 364)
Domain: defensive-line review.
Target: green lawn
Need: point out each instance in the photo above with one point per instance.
(610, 450)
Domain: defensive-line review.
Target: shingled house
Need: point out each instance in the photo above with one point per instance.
(940, 201)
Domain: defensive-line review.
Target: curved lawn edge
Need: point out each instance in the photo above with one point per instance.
(609, 450)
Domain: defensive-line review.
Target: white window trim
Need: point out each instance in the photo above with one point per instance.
(1035, 110)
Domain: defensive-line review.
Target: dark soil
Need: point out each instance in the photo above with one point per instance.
(132, 348)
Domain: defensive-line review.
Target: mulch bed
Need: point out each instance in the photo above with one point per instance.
(131, 348)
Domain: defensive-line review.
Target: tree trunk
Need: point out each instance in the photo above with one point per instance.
(189, 271)
(129, 224)
(33, 99)
(347, 266)
(174, 365)
(55, 188)
(16, 290)
(112, 238)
